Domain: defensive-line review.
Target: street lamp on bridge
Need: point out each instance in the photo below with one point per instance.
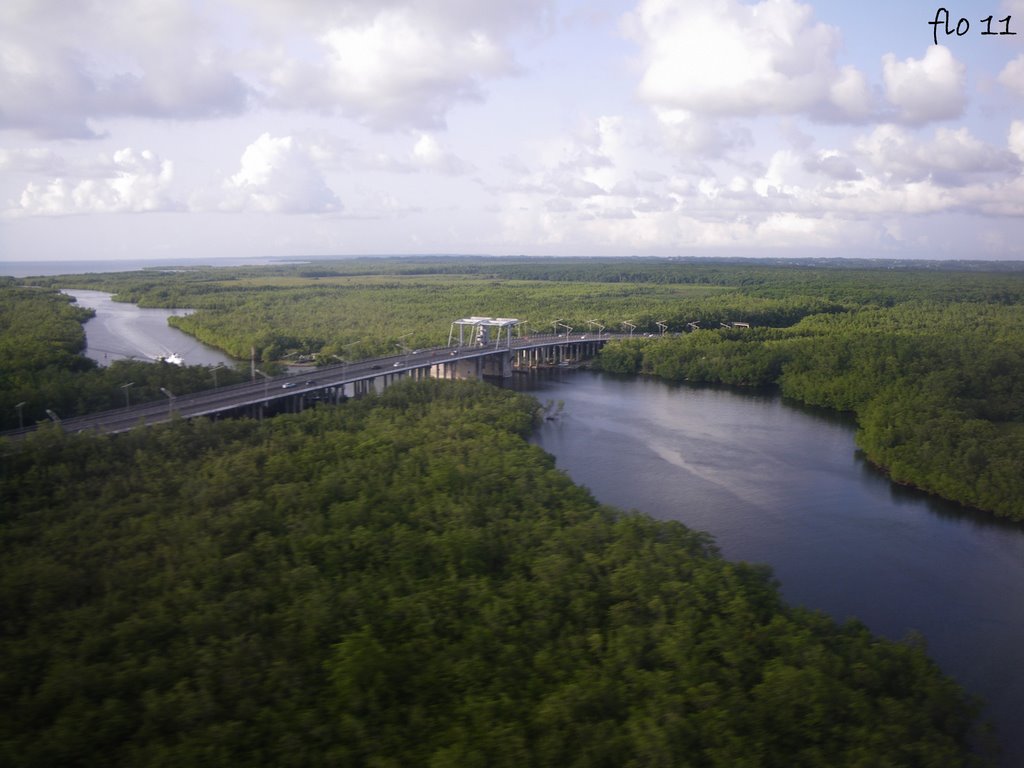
(170, 401)
(344, 362)
(631, 327)
(125, 388)
(266, 380)
(214, 372)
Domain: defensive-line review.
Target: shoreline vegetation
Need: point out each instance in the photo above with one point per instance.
(406, 581)
(928, 356)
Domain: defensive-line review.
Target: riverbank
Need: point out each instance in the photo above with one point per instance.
(122, 331)
(780, 483)
(937, 413)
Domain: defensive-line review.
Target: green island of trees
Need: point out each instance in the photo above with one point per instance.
(404, 580)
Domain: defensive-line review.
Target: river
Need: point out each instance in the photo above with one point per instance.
(781, 484)
(774, 483)
(121, 331)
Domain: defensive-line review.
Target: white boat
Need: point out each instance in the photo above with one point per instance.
(174, 359)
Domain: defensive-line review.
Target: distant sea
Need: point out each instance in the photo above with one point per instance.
(33, 268)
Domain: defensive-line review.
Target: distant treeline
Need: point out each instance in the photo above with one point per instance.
(937, 387)
(405, 581)
(928, 356)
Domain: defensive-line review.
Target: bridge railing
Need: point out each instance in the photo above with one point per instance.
(270, 388)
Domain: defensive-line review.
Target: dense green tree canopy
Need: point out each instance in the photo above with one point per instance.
(937, 387)
(42, 366)
(404, 580)
(929, 356)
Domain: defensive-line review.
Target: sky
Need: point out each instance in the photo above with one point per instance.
(157, 129)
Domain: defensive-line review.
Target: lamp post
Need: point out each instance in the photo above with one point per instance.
(266, 378)
(214, 372)
(630, 326)
(663, 326)
(21, 420)
(344, 362)
(170, 401)
(53, 416)
(401, 344)
(127, 399)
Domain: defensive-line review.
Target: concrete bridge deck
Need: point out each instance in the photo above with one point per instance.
(293, 392)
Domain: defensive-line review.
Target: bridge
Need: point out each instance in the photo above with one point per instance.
(293, 392)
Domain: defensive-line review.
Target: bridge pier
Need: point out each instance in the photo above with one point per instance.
(257, 400)
(499, 364)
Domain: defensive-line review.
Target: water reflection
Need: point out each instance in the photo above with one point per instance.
(780, 483)
(908, 496)
(122, 331)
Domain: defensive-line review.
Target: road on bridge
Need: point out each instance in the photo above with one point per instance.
(238, 396)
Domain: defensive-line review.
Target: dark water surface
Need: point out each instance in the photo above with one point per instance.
(774, 483)
(122, 331)
(779, 484)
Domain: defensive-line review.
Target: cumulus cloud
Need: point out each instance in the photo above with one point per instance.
(128, 181)
(277, 175)
(605, 164)
(834, 165)
(406, 65)
(427, 155)
(430, 155)
(949, 158)
(726, 58)
(1012, 75)
(1015, 141)
(35, 160)
(691, 134)
(926, 89)
(65, 66)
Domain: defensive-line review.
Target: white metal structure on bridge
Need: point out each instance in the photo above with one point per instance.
(501, 357)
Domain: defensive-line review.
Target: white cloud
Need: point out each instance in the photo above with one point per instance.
(400, 68)
(727, 58)
(1015, 141)
(129, 181)
(927, 89)
(277, 175)
(63, 66)
(950, 158)
(430, 155)
(698, 136)
(833, 164)
(1012, 75)
(427, 155)
(36, 160)
(851, 94)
